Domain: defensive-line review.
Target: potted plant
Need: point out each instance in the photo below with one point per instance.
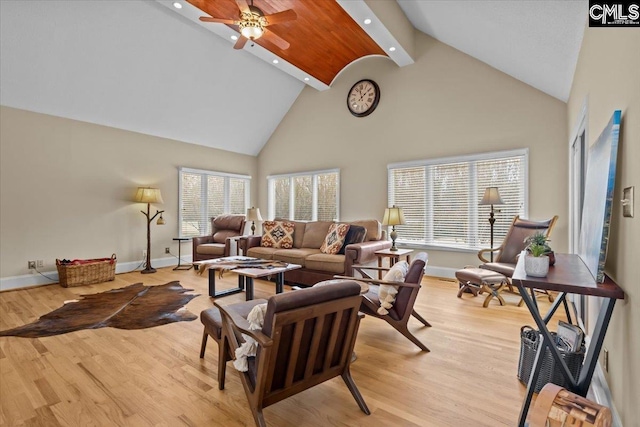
(536, 261)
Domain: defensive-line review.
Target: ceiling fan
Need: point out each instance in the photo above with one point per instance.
(253, 21)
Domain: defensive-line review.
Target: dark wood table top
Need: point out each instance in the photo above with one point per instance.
(570, 275)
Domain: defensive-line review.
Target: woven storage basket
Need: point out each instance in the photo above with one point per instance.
(91, 271)
(549, 372)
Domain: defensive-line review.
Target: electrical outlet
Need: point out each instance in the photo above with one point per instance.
(31, 265)
(40, 263)
(167, 250)
(606, 360)
(144, 253)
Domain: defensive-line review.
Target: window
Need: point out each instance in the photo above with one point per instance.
(307, 196)
(440, 198)
(206, 194)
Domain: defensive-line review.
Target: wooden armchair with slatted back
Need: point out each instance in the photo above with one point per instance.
(307, 338)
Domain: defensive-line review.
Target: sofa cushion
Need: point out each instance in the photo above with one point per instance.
(356, 234)
(334, 239)
(221, 236)
(260, 252)
(325, 262)
(294, 256)
(298, 232)
(373, 226)
(277, 234)
(210, 249)
(314, 234)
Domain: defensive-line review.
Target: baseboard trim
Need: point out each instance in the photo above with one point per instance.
(31, 280)
(443, 272)
(601, 394)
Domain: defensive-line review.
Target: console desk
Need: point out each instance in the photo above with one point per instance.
(569, 275)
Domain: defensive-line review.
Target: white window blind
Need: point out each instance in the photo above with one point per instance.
(440, 198)
(207, 194)
(307, 196)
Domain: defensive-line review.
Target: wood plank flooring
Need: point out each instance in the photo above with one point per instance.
(154, 377)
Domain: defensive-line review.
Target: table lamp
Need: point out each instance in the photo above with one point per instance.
(253, 215)
(393, 216)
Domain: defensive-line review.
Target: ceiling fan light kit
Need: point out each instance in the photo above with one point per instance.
(253, 22)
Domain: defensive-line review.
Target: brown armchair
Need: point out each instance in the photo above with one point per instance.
(307, 338)
(513, 244)
(397, 316)
(217, 244)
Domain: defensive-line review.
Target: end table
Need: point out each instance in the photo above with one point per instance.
(394, 256)
(180, 266)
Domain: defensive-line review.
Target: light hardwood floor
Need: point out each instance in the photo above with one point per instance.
(154, 377)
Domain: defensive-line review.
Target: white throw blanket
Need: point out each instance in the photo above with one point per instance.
(250, 346)
(387, 293)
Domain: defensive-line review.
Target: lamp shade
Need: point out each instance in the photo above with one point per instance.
(491, 197)
(393, 216)
(148, 195)
(253, 214)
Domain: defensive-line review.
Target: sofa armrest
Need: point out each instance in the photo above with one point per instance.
(251, 242)
(362, 253)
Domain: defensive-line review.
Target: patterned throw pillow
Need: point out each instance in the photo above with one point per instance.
(335, 238)
(277, 234)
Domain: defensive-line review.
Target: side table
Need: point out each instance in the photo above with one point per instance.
(180, 266)
(394, 256)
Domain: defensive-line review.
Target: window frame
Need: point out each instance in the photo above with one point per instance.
(271, 205)
(472, 159)
(203, 194)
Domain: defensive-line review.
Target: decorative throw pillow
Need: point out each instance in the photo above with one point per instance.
(356, 234)
(335, 238)
(387, 293)
(277, 234)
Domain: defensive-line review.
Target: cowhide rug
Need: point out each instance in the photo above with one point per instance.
(134, 307)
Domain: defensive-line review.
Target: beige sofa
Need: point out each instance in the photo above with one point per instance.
(317, 266)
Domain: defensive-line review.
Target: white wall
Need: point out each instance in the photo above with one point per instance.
(445, 104)
(67, 189)
(607, 75)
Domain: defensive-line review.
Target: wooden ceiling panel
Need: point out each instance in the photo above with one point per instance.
(323, 39)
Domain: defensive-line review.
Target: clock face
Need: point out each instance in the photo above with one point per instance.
(363, 98)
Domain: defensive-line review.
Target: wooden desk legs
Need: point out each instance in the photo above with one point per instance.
(581, 385)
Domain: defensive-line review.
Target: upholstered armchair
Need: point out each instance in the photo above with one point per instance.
(307, 338)
(506, 257)
(217, 244)
(513, 244)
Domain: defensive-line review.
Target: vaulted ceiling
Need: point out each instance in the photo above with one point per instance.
(150, 67)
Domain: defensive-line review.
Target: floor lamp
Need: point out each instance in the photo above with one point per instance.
(149, 195)
(491, 197)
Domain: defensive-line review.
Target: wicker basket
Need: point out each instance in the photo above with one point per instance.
(90, 271)
(549, 372)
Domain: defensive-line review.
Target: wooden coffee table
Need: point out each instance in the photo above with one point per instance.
(245, 274)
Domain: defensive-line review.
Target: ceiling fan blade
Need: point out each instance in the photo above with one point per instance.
(240, 43)
(220, 20)
(243, 6)
(284, 16)
(277, 40)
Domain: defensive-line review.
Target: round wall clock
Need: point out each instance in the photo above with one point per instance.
(363, 98)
